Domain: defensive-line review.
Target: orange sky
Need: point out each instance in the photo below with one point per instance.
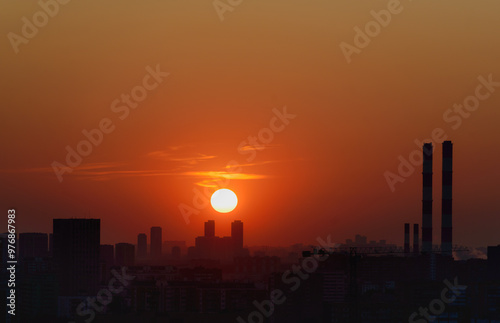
(322, 175)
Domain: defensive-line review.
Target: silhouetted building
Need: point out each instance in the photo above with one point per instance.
(220, 248)
(207, 248)
(106, 261)
(107, 254)
(315, 298)
(156, 242)
(169, 245)
(237, 234)
(193, 252)
(427, 198)
(360, 240)
(176, 253)
(203, 301)
(76, 255)
(51, 244)
(33, 245)
(256, 267)
(142, 246)
(36, 290)
(210, 228)
(494, 263)
(124, 254)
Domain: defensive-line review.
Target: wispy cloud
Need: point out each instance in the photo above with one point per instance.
(224, 175)
(209, 178)
(213, 178)
(257, 148)
(172, 155)
(171, 162)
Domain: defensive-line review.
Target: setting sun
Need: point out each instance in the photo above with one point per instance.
(224, 200)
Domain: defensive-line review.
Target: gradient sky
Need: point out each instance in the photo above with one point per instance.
(322, 175)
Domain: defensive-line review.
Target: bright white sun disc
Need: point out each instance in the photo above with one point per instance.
(224, 200)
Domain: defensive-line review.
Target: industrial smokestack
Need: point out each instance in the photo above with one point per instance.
(427, 199)
(407, 239)
(446, 205)
(416, 248)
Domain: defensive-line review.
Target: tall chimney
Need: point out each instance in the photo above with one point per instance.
(427, 199)
(446, 205)
(416, 248)
(407, 239)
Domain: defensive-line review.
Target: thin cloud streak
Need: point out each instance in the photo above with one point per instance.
(167, 156)
(257, 148)
(109, 170)
(225, 175)
(215, 178)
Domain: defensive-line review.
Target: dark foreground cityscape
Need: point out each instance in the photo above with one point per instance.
(68, 276)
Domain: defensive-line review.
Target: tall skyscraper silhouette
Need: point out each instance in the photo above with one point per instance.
(142, 245)
(210, 228)
(427, 198)
(156, 242)
(76, 255)
(446, 204)
(237, 234)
